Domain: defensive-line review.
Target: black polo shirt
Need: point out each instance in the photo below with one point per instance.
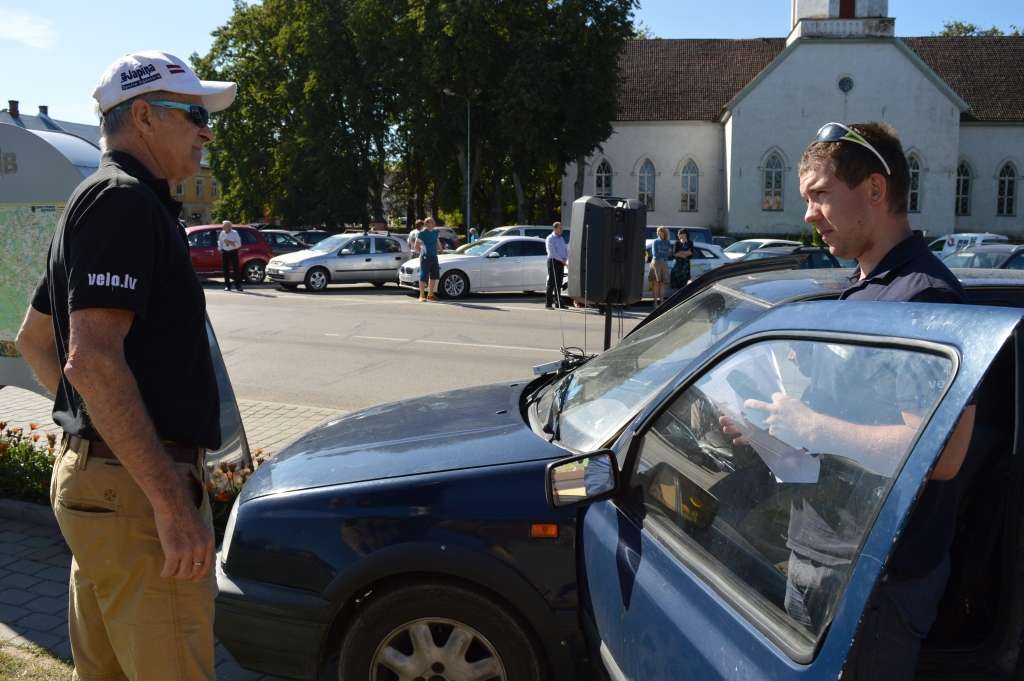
(119, 245)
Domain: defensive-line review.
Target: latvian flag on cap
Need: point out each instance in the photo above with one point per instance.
(175, 69)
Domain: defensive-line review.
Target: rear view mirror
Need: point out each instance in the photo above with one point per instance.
(581, 479)
(346, 251)
(494, 254)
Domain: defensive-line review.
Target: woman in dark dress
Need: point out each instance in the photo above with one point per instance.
(682, 252)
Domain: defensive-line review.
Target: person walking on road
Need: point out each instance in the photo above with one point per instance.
(558, 257)
(661, 257)
(228, 243)
(682, 251)
(119, 337)
(430, 271)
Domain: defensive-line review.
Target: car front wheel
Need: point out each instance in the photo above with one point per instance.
(255, 271)
(436, 631)
(317, 279)
(454, 285)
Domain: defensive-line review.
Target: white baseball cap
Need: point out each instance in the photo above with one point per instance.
(152, 71)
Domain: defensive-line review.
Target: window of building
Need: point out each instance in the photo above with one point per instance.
(1006, 199)
(771, 198)
(646, 187)
(963, 189)
(604, 179)
(847, 9)
(179, 189)
(914, 195)
(199, 187)
(691, 183)
(214, 189)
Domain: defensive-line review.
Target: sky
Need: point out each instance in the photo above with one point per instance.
(53, 52)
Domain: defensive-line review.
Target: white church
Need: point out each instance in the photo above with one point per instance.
(709, 132)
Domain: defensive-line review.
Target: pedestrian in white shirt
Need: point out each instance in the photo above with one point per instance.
(228, 243)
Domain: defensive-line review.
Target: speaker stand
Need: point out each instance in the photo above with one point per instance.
(607, 325)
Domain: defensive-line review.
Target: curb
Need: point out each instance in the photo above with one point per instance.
(27, 512)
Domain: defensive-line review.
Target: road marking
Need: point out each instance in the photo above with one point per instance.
(333, 334)
(381, 338)
(485, 345)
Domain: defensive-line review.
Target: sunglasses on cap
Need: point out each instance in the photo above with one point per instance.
(837, 132)
(199, 114)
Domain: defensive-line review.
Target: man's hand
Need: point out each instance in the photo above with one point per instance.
(186, 542)
(788, 418)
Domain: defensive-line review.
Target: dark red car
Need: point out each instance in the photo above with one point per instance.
(252, 257)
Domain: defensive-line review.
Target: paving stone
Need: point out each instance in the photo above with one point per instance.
(40, 622)
(58, 574)
(15, 597)
(38, 542)
(62, 650)
(36, 638)
(47, 606)
(51, 588)
(44, 555)
(11, 613)
(27, 567)
(16, 580)
(16, 550)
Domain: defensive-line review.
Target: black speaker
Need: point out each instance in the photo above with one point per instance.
(606, 250)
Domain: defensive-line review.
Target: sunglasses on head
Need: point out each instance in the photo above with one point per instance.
(199, 114)
(837, 132)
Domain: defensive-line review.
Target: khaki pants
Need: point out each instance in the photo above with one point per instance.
(126, 622)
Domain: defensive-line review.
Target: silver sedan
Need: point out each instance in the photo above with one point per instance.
(341, 259)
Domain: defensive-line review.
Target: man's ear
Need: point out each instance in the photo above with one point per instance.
(878, 189)
(142, 115)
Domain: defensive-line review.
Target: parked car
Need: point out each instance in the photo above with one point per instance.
(253, 256)
(741, 248)
(340, 259)
(998, 256)
(705, 257)
(499, 264)
(950, 243)
(696, 234)
(723, 241)
(311, 236)
(282, 241)
(817, 256)
(483, 526)
(541, 231)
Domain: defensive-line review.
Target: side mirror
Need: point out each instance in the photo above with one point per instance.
(494, 254)
(346, 251)
(581, 479)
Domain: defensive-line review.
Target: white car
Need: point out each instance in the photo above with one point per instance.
(519, 230)
(340, 259)
(500, 264)
(951, 243)
(741, 248)
(705, 257)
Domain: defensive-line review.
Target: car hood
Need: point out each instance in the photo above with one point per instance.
(460, 429)
(296, 257)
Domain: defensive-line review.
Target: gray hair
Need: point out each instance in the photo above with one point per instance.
(116, 118)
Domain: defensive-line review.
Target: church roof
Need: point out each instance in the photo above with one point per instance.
(693, 80)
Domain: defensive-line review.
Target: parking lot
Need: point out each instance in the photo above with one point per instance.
(354, 346)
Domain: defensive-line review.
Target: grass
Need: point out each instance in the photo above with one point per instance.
(29, 663)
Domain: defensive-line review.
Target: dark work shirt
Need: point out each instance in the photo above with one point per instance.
(118, 245)
(908, 273)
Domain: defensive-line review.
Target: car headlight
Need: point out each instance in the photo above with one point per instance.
(229, 531)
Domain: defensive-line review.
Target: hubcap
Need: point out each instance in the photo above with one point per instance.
(254, 272)
(436, 649)
(318, 280)
(454, 286)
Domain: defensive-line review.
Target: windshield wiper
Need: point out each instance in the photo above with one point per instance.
(552, 425)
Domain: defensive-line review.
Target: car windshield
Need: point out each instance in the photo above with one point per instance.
(479, 247)
(493, 232)
(587, 407)
(761, 254)
(742, 247)
(331, 243)
(969, 259)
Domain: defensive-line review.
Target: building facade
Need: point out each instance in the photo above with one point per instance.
(709, 133)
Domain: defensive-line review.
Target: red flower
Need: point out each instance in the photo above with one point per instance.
(33, 426)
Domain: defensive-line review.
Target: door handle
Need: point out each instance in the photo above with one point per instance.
(368, 259)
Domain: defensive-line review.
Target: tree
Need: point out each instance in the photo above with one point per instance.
(965, 29)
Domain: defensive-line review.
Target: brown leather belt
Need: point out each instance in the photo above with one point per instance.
(179, 453)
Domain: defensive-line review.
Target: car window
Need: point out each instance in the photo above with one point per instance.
(387, 246)
(513, 249)
(1016, 262)
(989, 259)
(248, 237)
(498, 231)
(704, 253)
(204, 239)
(742, 247)
(781, 515)
(538, 231)
(938, 244)
(533, 248)
(819, 259)
(959, 259)
(359, 245)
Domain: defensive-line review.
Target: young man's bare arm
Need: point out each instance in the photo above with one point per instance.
(97, 368)
(36, 344)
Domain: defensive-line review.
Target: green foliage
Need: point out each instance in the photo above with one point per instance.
(26, 461)
(967, 29)
(342, 105)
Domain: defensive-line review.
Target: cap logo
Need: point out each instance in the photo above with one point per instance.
(133, 78)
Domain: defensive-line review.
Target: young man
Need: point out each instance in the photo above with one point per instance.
(854, 179)
(558, 256)
(430, 271)
(228, 243)
(119, 336)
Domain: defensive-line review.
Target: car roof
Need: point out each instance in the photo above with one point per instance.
(993, 248)
(511, 237)
(196, 228)
(786, 250)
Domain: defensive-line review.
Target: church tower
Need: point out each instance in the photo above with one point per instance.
(840, 19)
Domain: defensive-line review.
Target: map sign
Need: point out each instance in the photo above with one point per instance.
(27, 229)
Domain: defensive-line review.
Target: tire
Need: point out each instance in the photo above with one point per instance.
(288, 287)
(441, 617)
(454, 284)
(378, 284)
(317, 279)
(255, 271)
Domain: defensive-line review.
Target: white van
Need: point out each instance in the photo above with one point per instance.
(945, 245)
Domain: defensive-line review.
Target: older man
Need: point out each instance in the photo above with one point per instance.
(229, 243)
(118, 335)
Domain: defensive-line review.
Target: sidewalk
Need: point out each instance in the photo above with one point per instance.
(35, 562)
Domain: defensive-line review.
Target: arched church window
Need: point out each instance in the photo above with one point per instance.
(691, 183)
(963, 189)
(1006, 201)
(646, 185)
(604, 179)
(771, 196)
(914, 193)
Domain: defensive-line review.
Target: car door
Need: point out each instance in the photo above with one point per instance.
(387, 258)
(693, 569)
(535, 265)
(503, 271)
(202, 246)
(702, 261)
(353, 261)
(1016, 262)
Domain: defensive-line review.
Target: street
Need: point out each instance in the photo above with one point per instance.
(354, 346)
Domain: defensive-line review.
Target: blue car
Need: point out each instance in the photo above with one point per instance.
(599, 519)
